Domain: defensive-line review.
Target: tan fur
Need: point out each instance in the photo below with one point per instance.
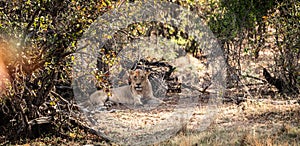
(132, 94)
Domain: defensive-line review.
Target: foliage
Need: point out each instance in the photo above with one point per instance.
(285, 21)
(235, 21)
(247, 27)
(46, 32)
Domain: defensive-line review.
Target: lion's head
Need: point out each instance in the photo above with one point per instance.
(139, 80)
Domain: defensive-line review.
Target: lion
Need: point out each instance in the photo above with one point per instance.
(138, 90)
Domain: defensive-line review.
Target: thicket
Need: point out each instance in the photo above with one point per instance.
(45, 33)
(250, 27)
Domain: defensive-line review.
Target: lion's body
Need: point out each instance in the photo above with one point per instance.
(119, 95)
(139, 90)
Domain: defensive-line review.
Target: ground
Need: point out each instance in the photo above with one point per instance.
(263, 122)
(253, 122)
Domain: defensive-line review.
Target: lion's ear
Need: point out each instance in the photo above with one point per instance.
(148, 73)
(130, 72)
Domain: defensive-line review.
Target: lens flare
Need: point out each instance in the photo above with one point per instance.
(6, 56)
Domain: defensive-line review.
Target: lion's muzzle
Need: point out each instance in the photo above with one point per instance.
(138, 87)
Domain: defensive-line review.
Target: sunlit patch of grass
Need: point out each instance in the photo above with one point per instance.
(290, 132)
(209, 137)
(260, 124)
(285, 136)
(237, 136)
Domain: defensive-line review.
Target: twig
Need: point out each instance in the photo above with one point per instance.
(60, 97)
(65, 101)
(120, 4)
(195, 88)
(256, 78)
(87, 128)
(40, 120)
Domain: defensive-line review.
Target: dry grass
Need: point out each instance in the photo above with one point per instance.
(260, 124)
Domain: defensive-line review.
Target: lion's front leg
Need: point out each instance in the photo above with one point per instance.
(149, 98)
(137, 100)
